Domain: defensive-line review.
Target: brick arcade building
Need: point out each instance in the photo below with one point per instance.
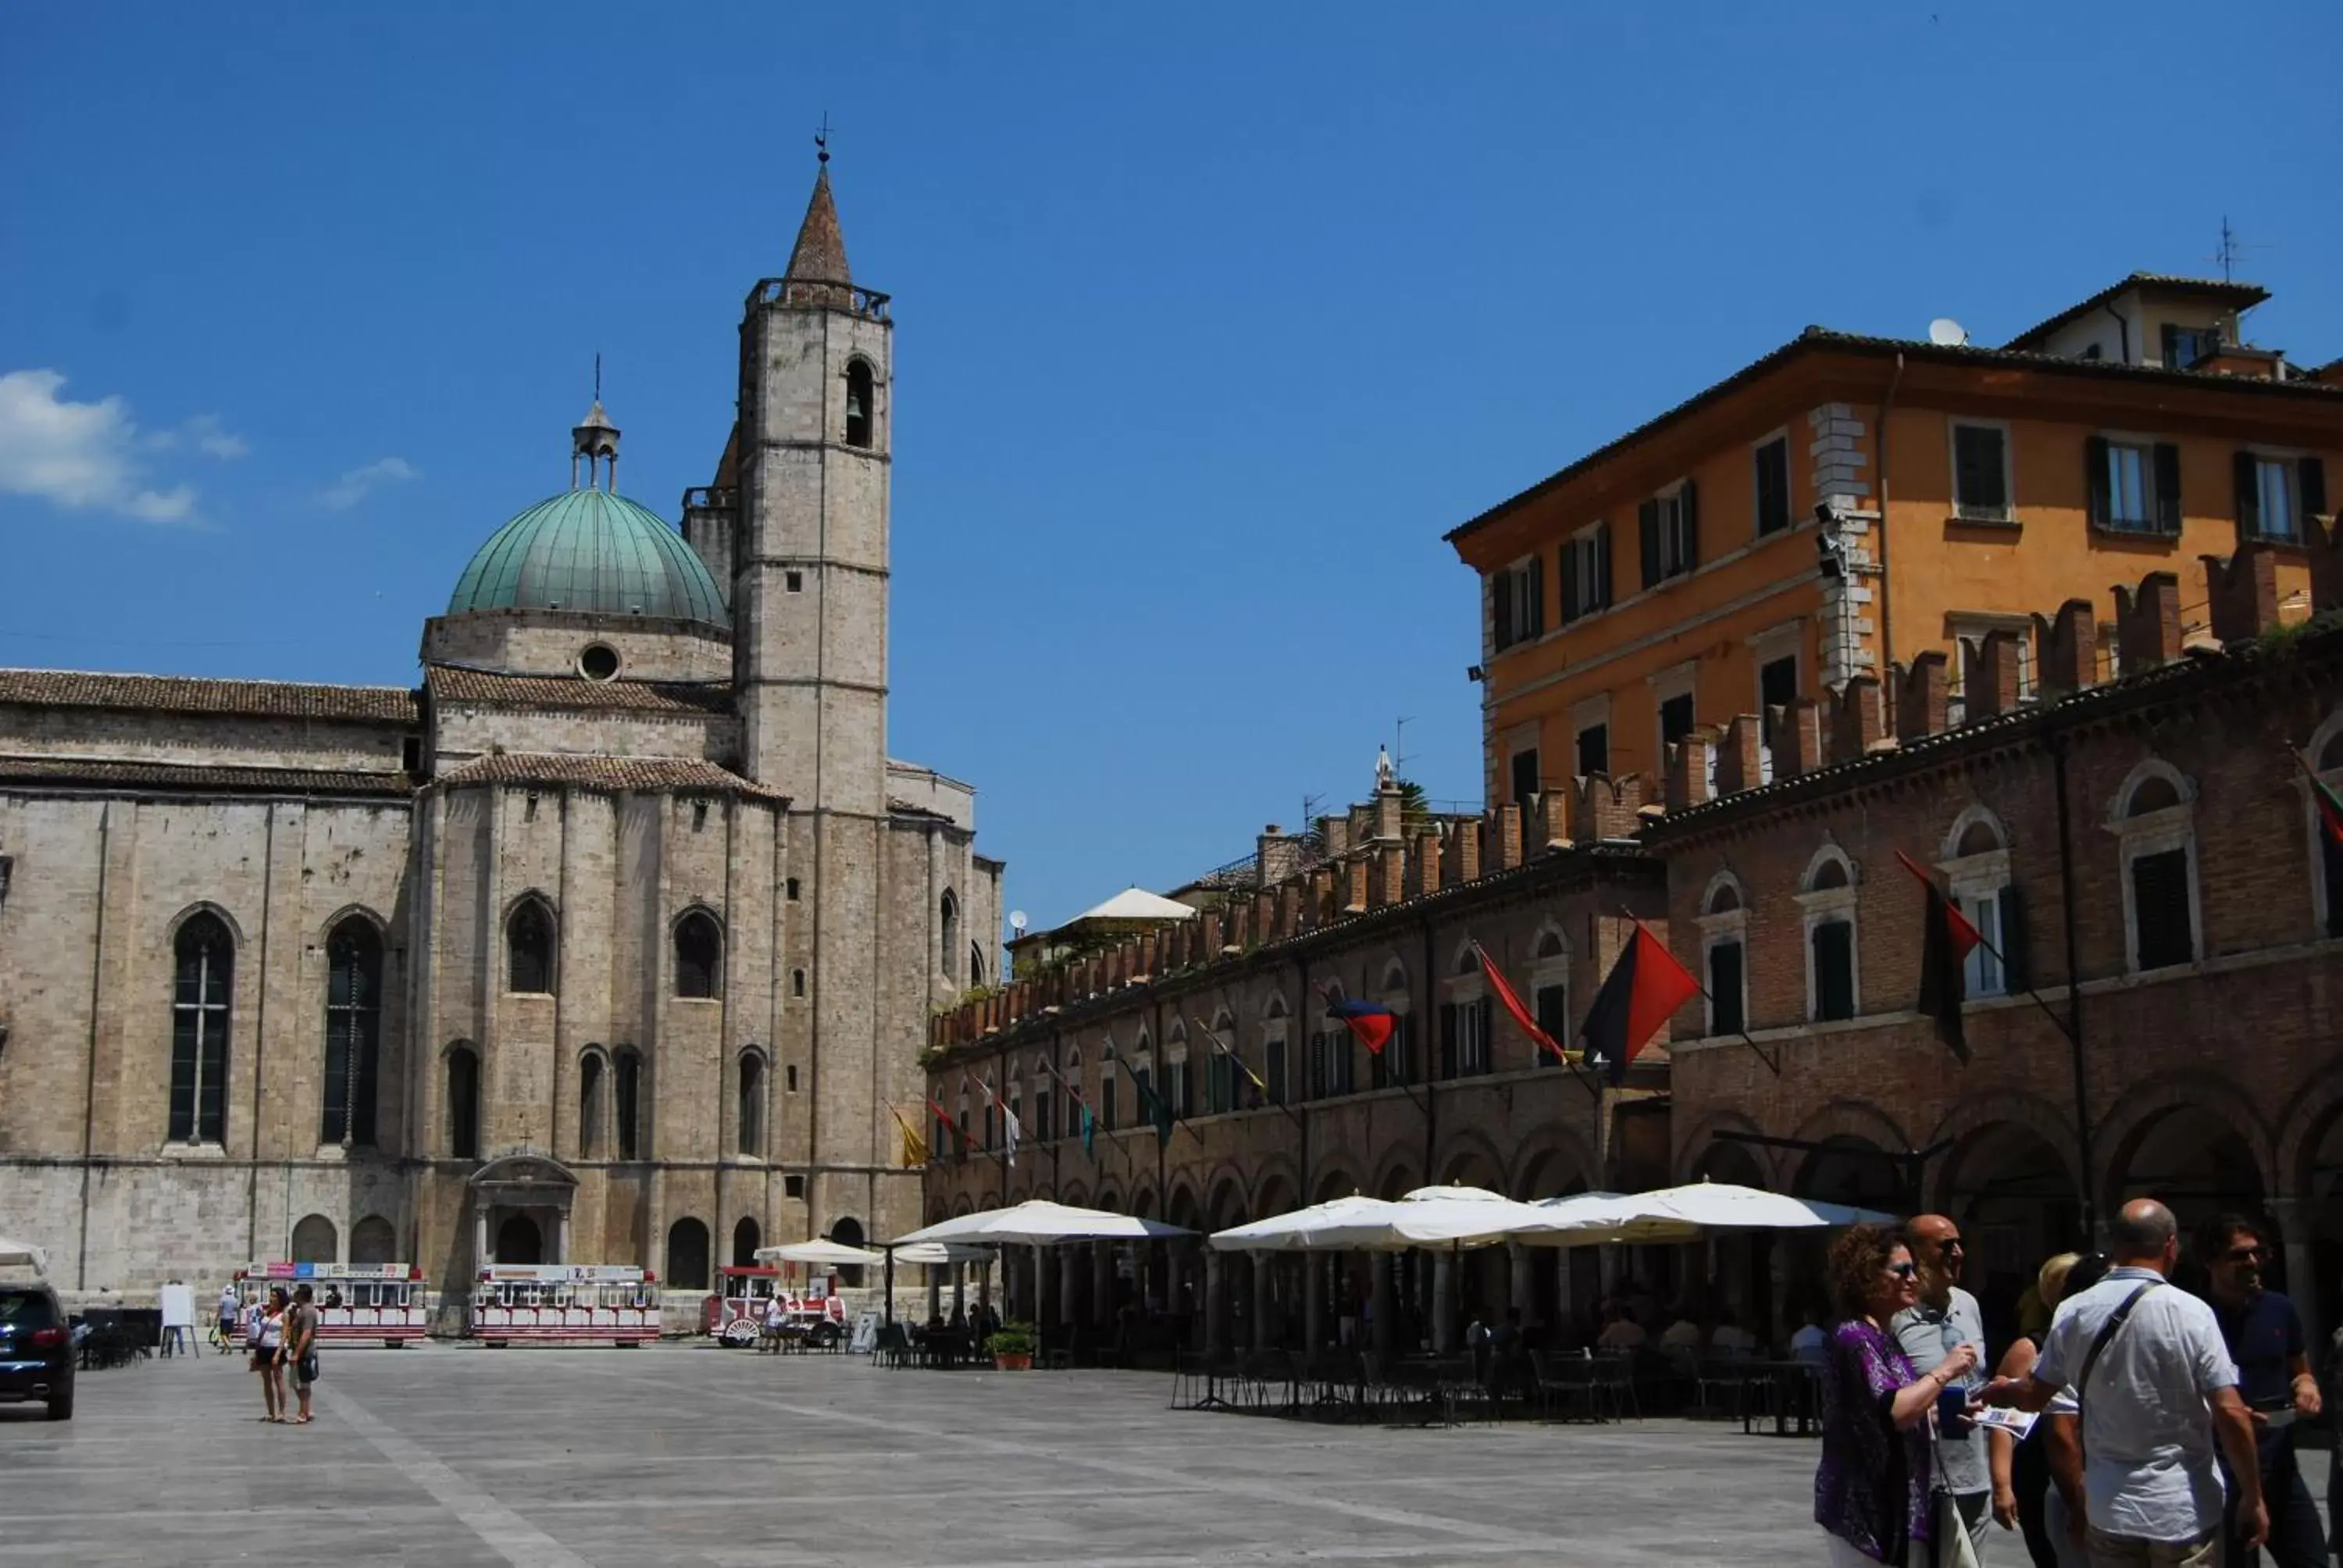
(2147, 836)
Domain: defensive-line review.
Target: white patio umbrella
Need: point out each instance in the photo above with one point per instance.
(1452, 1217)
(1685, 1214)
(1038, 1222)
(818, 1252)
(938, 1255)
(22, 1255)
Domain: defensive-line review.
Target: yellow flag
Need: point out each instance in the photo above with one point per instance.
(915, 1146)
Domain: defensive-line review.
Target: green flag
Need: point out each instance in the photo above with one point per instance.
(1090, 1131)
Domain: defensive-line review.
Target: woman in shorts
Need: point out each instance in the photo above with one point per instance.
(263, 1330)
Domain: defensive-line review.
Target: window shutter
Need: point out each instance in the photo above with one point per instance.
(1688, 523)
(1501, 598)
(1724, 987)
(1448, 1039)
(2168, 487)
(1647, 525)
(1833, 970)
(2172, 347)
(1570, 604)
(1535, 572)
(1601, 598)
(2017, 968)
(1485, 1017)
(2094, 480)
(2249, 499)
(1978, 470)
(2159, 885)
(2313, 483)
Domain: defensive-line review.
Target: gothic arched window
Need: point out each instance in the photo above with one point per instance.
(528, 947)
(353, 1033)
(589, 1105)
(205, 955)
(861, 409)
(698, 956)
(627, 1106)
(463, 1103)
(752, 1103)
(948, 912)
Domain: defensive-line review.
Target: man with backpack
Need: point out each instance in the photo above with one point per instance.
(2158, 1392)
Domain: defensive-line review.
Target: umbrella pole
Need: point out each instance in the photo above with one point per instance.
(887, 1314)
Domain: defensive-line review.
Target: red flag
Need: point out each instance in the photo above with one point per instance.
(1947, 940)
(1511, 1003)
(1642, 991)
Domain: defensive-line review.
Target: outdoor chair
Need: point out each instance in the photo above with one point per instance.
(1613, 1380)
(1565, 1386)
(1729, 1375)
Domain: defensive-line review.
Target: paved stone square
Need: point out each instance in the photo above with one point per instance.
(553, 1459)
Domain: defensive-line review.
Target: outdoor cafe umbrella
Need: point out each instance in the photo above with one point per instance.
(940, 1254)
(1451, 1217)
(1685, 1214)
(1038, 1222)
(817, 1251)
(21, 1255)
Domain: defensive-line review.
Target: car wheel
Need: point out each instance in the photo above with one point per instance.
(61, 1408)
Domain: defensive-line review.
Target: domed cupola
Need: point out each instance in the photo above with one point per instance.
(590, 551)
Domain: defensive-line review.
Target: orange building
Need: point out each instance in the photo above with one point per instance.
(1847, 503)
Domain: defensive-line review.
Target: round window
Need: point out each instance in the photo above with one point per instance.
(598, 662)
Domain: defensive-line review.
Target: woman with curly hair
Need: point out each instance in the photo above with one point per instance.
(1871, 1490)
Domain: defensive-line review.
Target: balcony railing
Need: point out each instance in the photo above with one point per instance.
(867, 303)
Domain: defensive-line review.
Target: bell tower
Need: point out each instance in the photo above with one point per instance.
(809, 648)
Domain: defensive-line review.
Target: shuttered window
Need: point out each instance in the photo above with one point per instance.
(2164, 923)
(1725, 1010)
(1980, 473)
(1517, 604)
(1773, 476)
(1834, 943)
(1668, 527)
(1586, 573)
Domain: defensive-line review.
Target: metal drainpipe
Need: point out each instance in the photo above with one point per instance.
(2074, 989)
(2123, 329)
(1886, 627)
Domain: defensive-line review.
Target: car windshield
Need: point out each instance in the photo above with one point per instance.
(26, 1309)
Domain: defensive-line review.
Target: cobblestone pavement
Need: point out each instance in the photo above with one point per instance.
(556, 1459)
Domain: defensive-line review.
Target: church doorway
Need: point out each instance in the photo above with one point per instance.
(518, 1240)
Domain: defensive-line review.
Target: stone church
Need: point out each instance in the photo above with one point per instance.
(613, 941)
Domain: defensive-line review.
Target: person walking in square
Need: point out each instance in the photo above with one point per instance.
(2264, 1336)
(1944, 1317)
(229, 1309)
(2157, 1392)
(1872, 1487)
(2037, 1481)
(301, 1348)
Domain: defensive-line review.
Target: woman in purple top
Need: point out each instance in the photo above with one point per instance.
(1871, 1491)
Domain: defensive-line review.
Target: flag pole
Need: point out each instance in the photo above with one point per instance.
(1773, 1063)
(2048, 1012)
(1405, 1086)
(1222, 1047)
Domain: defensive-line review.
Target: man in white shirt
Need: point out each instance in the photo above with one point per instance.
(1621, 1333)
(1945, 1317)
(1810, 1343)
(2157, 1390)
(1729, 1338)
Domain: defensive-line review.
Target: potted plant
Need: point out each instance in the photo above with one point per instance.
(1011, 1345)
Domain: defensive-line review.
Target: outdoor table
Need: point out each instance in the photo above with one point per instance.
(1791, 1388)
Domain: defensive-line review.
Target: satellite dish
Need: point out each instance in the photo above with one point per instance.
(1946, 333)
(1017, 921)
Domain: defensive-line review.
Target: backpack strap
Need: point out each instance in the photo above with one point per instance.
(2115, 1320)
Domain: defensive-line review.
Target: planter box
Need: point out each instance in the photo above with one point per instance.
(1007, 1361)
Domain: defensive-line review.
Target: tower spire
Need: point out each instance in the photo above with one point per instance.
(819, 255)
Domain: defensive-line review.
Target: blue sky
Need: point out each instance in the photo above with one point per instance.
(1210, 318)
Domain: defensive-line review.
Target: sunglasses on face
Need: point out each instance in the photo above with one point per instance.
(1949, 1244)
(2245, 1254)
(1902, 1270)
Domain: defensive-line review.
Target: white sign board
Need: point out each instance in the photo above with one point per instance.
(179, 1307)
(866, 1334)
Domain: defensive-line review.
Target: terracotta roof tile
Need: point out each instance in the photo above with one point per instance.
(182, 694)
(681, 774)
(453, 683)
(71, 772)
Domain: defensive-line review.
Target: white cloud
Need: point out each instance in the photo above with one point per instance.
(205, 434)
(357, 484)
(81, 456)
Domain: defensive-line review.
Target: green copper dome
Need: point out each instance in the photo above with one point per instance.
(594, 552)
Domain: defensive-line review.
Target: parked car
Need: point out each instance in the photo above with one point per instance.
(36, 1352)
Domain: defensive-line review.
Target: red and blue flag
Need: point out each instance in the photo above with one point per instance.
(1370, 1021)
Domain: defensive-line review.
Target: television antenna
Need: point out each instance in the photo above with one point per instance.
(1946, 333)
(1398, 744)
